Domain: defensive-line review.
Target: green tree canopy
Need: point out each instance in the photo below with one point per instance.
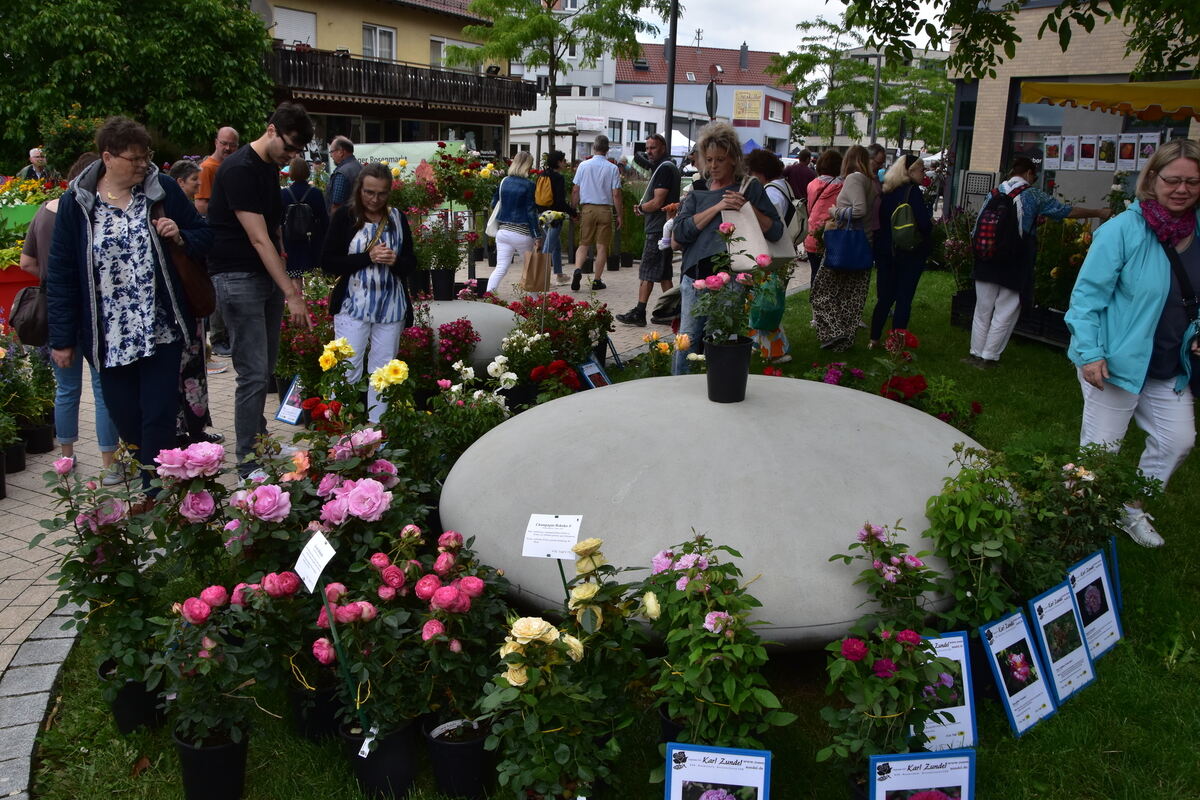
(917, 96)
(182, 69)
(539, 33)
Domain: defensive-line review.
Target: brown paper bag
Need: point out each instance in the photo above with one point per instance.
(536, 276)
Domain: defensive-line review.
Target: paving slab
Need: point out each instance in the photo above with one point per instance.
(14, 775)
(51, 628)
(41, 651)
(22, 710)
(16, 743)
(28, 680)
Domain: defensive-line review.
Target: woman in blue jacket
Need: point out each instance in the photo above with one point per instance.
(113, 294)
(1128, 320)
(898, 270)
(519, 231)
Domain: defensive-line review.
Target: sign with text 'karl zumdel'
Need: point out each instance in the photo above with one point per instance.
(1018, 670)
(695, 770)
(950, 773)
(1097, 607)
(551, 536)
(1060, 631)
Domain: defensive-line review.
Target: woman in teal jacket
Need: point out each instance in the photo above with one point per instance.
(1128, 319)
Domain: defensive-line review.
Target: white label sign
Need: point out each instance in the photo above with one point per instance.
(1018, 670)
(1061, 635)
(312, 561)
(959, 706)
(551, 535)
(701, 770)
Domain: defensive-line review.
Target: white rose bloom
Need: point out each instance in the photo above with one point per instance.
(456, 388)
(508, 380)
(496, 368)
(478, 395)
(501, 359)
(467, 373)
(458, 365)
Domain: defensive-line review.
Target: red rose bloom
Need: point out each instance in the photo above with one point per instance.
(854, 649)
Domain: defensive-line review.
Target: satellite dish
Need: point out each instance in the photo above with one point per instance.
(264, 11)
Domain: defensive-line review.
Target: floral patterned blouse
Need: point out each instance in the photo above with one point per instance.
(374, 294)
(132, 320)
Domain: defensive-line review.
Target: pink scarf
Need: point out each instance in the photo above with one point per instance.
(1170, 229)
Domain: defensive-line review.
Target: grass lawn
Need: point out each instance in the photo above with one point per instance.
(1132, 734)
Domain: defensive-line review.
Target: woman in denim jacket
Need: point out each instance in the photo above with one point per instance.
(519, 231)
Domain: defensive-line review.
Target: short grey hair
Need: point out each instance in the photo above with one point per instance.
(342, 143)
(601, 144)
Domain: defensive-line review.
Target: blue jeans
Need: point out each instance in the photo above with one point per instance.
(252, 306)
(143, 399)
(66, 405)
(692, 326)
(553, 247)
(896, 279)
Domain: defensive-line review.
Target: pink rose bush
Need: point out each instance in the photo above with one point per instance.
(197, 506)
(899, 581)
(200, 460)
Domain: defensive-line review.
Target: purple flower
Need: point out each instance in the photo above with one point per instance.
(661, 562)
(682, 583)
(717, 621)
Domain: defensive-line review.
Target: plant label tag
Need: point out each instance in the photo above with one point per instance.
(290, 409)
(551, 536)
(956, 697)
(950, 773)
(312, 561)
(1059, 629)
(693, 770)
(365, 750)
(1020, 673)
(1096, 604)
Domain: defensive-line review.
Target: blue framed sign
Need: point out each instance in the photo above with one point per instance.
(1097, 608)
(1020, 674)
(290, 409)
(959, 729)
(1059, 630)
(694, 771)
(948, 775)
(1114, 572)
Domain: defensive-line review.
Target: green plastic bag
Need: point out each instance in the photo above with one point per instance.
(768, 305)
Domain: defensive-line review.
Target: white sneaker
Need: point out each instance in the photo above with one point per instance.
(561, 278)
(1137, 524)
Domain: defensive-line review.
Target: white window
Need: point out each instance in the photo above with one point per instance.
(379, 42)
(651, 129)
(437, 52)
(572, 51)
(691, 76)
(293, 26)
(774, 110)
(615, 126)
(633, 130)
(570, 5)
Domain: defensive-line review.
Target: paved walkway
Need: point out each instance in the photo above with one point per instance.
(32, 643)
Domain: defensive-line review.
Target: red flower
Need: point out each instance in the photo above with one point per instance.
(538, 374)
(854, 649)
(909, 637)
(468, 194)
(571, 381)
(441, 144)
(775, 372)
(310, 403)
(884, 668)
(976, 407)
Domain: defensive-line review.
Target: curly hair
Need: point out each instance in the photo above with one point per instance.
(722, 136)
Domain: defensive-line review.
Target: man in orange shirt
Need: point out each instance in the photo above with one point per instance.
(226, 143)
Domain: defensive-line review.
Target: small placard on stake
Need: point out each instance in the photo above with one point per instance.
(312, 561)
(365, 750)
(552, 536)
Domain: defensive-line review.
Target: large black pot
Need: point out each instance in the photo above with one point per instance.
(614, 262)
(214, 772)
(14, 457)
(418, 282)
(134, 705)
(461, 766)
(668, 729)
(390, 769)
(314, 713)
(443, 283)
(627, 260)
(728, 365)
(39, 437)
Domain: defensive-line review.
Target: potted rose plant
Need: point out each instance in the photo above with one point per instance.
(897, 579)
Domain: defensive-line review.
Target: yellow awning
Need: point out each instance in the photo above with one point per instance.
(1152, 100)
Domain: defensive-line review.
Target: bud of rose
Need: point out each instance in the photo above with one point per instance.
(366, 611)
(455, 646)
(471, 586)
(233, 524)
(380, 560)
(393, 576)
(450, 540)
(335, 592)
(432, 628)
(195, 610)
(409, 530)
(444, 563)
(347, 613)
(385, 593)
(323, 651)
(215, 596)
(323, 618)
(650, 601)
(427, 586)
(91, 485)
(208, 643)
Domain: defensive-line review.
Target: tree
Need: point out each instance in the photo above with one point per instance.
(830, 84)
(917, 95)
(182, 69)
(540, 32)
(1165, 33)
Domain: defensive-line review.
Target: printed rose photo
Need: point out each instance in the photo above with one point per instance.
(1092, 602)
(942, 793)
(706, 790)
(1017, 667)
(1062, 636)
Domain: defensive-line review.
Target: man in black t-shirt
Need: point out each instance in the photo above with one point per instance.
(245, 212)
(656, 264)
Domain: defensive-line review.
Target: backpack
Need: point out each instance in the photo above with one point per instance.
(543, 193)
(905, 235)
(298, 220)
(997, 233)
(795, 222)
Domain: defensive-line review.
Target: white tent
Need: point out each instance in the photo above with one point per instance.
(680, 144)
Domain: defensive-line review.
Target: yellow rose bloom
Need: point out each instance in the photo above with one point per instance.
(581, 594)
(516, 675)
(586, 564)
(682, 341)
(587, 546)
(340, 347)
(550, 635)
(654, 336)
(509, 647)
(574, 647)
(395, 172)
(653, 609)
(647, 339)
(397, 371)
(403, 162)
(385, 163)
(379, 380)
(664, 348)
(529, 629)
(327, 360)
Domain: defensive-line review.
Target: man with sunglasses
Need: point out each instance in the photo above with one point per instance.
(252, 285)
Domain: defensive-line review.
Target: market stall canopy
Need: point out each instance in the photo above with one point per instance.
(1151, 101)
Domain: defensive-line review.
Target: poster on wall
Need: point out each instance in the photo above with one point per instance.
(1127, 152)
(1070, 152)
(1087, 152)
(1106, 153)
(1052, 152)
(1147, 144)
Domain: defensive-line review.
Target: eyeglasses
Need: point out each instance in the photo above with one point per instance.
(288, 147)
(1176, 180)
(146, 160)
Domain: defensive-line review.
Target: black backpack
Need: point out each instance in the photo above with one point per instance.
(298, 220)
(998, 231)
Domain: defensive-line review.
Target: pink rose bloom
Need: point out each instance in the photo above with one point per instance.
(335, 592)
(471, 586)
(215, 596)
(688, 560)
(324, 652)
(455, 646)
(445, 599)
(238, 598)
(909, 637)
(341, 449)
(385, 471)
(444, 563)
(450, 540)
(726, 228)
(409, 530)
(393, 576)
(913, 561)
(203, 654)
(444, 384)
(762, 259)
(64, 465)
(884, 668)
(368, 500)
(195, 610)
(172, 464)
(197, 506)
(661, 562)
(366, 611)
(281, 584)
(699, 285)
(714, 281)
(717, 621)
(365, 442)
(335, 511)
(270, 503)
(895, 561)
(885, 635)
(426, 586)
(329, 482)
(323, 618)
(432, 628)
(110, 512)
(204, 459)
(386, 593)
(233, 524)
(682, 583)
(380, 560)
(853, 649)
(347, 613)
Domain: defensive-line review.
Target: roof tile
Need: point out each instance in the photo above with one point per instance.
(698, 61)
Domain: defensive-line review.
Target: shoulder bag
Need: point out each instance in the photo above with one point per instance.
(493, 223)
(847, 248)
(193, 276)
(1192, 303)
(28, 318)
(742, 254)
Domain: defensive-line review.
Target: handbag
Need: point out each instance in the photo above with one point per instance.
(493, 223)
(28, 318)
(536, 275)
(193, 275)
(741, 254)
(1192, 303)
(847, 249)
(768, 305)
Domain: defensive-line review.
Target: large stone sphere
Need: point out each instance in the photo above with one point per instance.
(786, 478)
(490, 321)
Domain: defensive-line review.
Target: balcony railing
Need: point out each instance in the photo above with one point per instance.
(340, 74)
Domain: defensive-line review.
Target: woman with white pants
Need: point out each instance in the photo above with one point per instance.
(519, 232)
(369, 247)
(1128, 320)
